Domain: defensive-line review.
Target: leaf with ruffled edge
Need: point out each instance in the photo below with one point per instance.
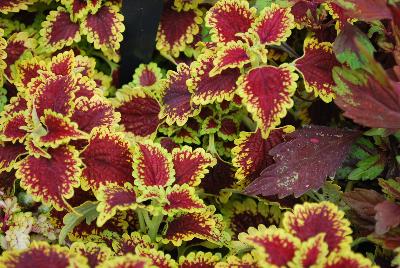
(107, 159)
(51, 180)
(176, 29)
(187, 226)
(312, 253)
(63, 63)
(229, 128)
(113, 197)
(129, 260)
(339, 14)
(348, 259)
(250, 154)
(93, 252)
(309, 219)
(191, 165)
(58, 30)
(176, 97)
(266, 92)
(139, 111)
(207, 89)
(94, 112)
(232, 261)
(316, 67)
(276, 247)
(186, 5)
(10, 154)
(199, 259)
(128, 243)
(13, 128)
(231, 55)
(158, 257)
(152, 165)
(3, 55)
(182, 198)
(15, 5)
(104, 29)
(227, 18)
(79, 9)
(147, 75)
(273, 26)
(42, 254)
(27, 69)
(59, 130)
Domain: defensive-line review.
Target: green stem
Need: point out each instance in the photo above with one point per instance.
(154, 226)
(250, 124)
(211, 144)
(141, 220)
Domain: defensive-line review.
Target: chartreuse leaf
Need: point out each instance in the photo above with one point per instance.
(368, 168)
(87, 211)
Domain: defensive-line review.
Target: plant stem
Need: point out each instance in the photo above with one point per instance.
(154, 226)
(250, 124)
(141, 220)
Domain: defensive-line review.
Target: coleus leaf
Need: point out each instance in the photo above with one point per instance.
(158, 257)
(387, 216)
(182, 198)
(147, 75)
(9, 155)
(13, 127)
(129, 260)
(152, 165)
(391, 187)
(177, 29)
(371, 100)
(128, 243)
(250, 154)
(107, 159)
(312, 252)
(58, 30)
(199, 259)
(304, 161)
(275, 245)
(79, 9)
(366, 10)
(206, 88)
(229, 128)
(104, 29)
(51, 180)
(316, 67)
(113, 197)
(266, 92)
(42, 254)
(95, 253)
(15, 5)
(3, 55)
(273, 25)
(27, 69)
(176, 97)
(348, 259)
(228, 18)
(339, 14)
(310, 219)
(139, 111)
(191, 165)
(305, 13)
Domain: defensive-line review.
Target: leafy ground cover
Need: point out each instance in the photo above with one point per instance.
(262, 134)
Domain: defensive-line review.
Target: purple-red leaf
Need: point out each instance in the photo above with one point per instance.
(387, 216)
(304, 161)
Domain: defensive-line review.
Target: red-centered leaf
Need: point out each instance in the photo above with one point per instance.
(391, 187)
(104, 29)
(182, 198)
(27, 70)
(113, 197)
(250, 154)
(139, 111)
(12, 128)
(3, 55)
(304, 162)
(35, 150)
(273, 26)
(128, 243)
(221, 176)
(387, 216)
(86, 87)
(63, 63)
(229, 128)
(40, 254)
(277, 246)
(15, 5)
(152, 165)
(312, 253)
(176, 97)
(59, 130)
(266, 92)
(208, 89)
(231, 55)
(339, 14)
(107, 159)
(199, 259)
(17, 44)
(349, 260)
(51, 180)
(94, 112)
(316, 67)
(128, 261)
(79, 9)
(177, 29)
(158, 257)
(367, 10)
(9, 155)
(58, 30)
(366, 100)
(305, 12)
(310, 219)
(54, 93)
(16, 104)
(188, 226)
(168, 144)
(227, 18)
(94, 253)
(147, 75)
(209, 126)
(191, 165)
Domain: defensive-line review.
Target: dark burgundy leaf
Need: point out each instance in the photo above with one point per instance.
(387, 216)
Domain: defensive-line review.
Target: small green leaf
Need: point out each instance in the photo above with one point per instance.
(368, 168)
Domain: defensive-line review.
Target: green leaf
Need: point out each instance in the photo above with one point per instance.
(368, 168)
(87, 211)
